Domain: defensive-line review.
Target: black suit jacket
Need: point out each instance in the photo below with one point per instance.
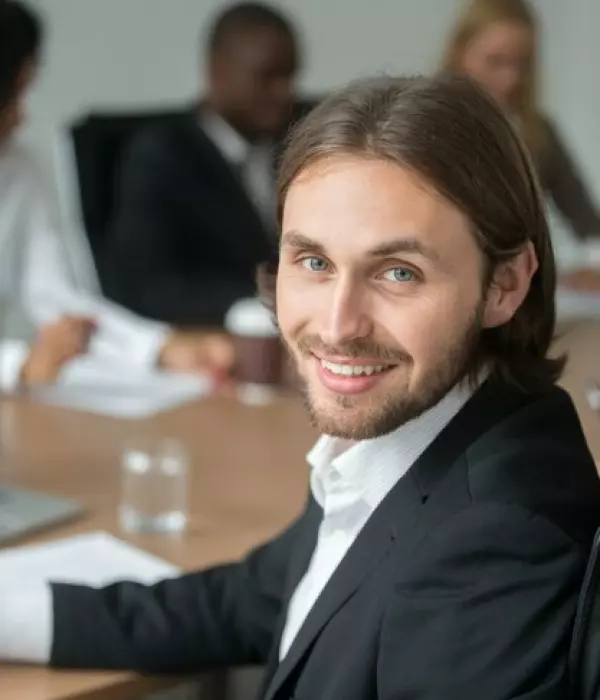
(185, 240)
(462, 585)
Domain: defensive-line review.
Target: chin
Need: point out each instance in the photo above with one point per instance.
(351, 423)
(371, 414)
(352, 417)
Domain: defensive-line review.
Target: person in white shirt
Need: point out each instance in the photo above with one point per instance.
(33, 267)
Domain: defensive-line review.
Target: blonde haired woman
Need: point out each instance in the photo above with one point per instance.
(495, 42)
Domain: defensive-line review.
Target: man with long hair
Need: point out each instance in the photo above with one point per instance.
(453, 499)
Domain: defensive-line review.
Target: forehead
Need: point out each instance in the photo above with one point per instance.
(350, 206)
(260, 46)
(501, 36)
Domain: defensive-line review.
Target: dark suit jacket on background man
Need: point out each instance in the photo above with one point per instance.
(462, 584)
(186, 239)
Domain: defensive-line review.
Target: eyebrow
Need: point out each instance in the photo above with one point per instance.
(405, 244)
(295, 239)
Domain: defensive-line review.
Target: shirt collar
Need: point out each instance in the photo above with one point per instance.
(370, 468)
(231, 144)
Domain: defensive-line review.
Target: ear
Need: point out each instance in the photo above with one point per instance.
(509, 286)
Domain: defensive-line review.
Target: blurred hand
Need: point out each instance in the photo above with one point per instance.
(197, 352)
(56, 344)
(583, 280)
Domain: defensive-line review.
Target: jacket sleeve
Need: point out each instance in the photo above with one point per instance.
(222, 616)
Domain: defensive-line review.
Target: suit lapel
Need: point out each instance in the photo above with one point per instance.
(297, 568)
(395, 520)
(488, 407)
(396, 513)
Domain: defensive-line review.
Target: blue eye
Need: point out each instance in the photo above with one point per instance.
(400, 274)
(314, 264)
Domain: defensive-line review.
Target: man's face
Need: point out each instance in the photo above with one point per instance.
(379, 294)
(253, 80)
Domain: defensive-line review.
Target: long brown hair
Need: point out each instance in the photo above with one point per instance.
(448, 131)
(476, 16)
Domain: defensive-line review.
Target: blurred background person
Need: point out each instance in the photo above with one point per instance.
(496, 42)
(195, 205)
(33, 269)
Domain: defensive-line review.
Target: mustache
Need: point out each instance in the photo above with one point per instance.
(360, 347)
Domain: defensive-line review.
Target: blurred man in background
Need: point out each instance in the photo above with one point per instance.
(33, 265)
(195, 210)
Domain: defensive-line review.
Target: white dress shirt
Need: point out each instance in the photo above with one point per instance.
(349, 481)
(34, 274)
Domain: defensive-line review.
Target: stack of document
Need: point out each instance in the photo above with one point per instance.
(95, 559)
(88, 384)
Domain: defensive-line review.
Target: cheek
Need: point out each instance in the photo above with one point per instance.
(241, 90)
(477, 67)
(471, 64)
(426, 326)
(296, 301)
(262, 94)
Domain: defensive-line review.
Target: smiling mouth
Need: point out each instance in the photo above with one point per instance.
(348, 370)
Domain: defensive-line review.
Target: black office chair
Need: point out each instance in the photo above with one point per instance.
(584, 659)
(98, 142)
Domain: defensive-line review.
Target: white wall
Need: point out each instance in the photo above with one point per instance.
(129, 52)
(105, 53)
(573, 84)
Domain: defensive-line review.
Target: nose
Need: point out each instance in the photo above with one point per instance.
(347, 317)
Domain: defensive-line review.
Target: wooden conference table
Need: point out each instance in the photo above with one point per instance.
(248, 480)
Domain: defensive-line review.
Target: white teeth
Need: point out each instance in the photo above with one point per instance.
(352, 370)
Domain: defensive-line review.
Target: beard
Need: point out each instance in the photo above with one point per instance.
(364, 416)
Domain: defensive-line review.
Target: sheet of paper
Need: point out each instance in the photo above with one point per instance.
(95, 559)
(90, 385)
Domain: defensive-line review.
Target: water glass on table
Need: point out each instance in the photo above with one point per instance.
(154, 487)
